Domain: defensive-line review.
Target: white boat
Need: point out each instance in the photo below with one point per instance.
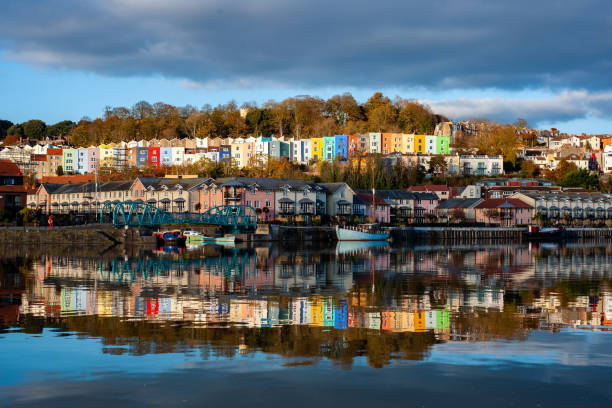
(193, 237)
(230, 239)
(347, 234)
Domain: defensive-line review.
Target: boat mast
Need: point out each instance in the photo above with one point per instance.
(373, 199)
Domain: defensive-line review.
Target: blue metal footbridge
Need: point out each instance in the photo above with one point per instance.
(238, 218)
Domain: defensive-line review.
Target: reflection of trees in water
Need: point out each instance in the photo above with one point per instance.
(340, 346)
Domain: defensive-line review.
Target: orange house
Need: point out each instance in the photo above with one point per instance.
(352, 146)
(387, 143)
(210, 196)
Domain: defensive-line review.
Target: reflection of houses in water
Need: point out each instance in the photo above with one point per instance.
(470, 300)
(12, 287)
(243, 288)
(574, 265)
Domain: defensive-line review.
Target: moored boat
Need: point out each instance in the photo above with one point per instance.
(170, 238)
(548, 233)
(193, 237)
(360, 234)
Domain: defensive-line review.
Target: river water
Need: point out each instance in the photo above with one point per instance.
(462, 325)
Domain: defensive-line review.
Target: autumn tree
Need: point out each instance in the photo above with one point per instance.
(380, 113)
(496, 139)
(529, 169)
(438, 165)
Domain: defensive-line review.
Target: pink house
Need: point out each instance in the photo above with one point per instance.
(424, 204)
(93, 159)
(261, 199)
(506, 212)
(383, 210)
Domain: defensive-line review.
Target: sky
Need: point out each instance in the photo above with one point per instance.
(548, 61)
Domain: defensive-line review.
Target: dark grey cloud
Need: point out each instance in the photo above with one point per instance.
(436, 43)
(561, 107)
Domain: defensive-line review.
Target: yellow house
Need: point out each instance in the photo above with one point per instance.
(419, 144)
(243, 153)
(106, 155)
(318, 145)
(395, 143)
(407, 143)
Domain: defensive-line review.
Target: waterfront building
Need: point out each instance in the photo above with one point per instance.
(457, 209)
(375, 207)
(568, 206)
(505, 212)
(339, 199)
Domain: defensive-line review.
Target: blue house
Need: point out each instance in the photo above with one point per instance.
(225, 153)
(329, 148)
(165, 156)
(142, 156)
(279, 149)
(81, 164)
(341, 146)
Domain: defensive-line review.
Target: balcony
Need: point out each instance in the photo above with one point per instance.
(344, 208)
(286, 206)
(232, 196)
(307, 206)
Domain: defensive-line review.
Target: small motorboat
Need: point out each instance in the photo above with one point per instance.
(193, 237)
(170, 238)
(534, 232)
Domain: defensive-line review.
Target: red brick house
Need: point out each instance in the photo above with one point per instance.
(13, 194)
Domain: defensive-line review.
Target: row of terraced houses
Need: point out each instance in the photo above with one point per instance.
(44, 160)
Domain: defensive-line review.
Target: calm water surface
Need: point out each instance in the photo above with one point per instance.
(503, 325)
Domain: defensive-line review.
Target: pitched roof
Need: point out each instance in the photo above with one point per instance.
(9, 168)
(458, 203)
(77, 178)
(332, 187)
(430, 187)
(367, 199)
(502, 203)
(394, 194)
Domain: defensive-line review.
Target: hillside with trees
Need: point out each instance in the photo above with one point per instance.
(301, 117)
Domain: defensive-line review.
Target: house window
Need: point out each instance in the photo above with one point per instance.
(256, 204)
